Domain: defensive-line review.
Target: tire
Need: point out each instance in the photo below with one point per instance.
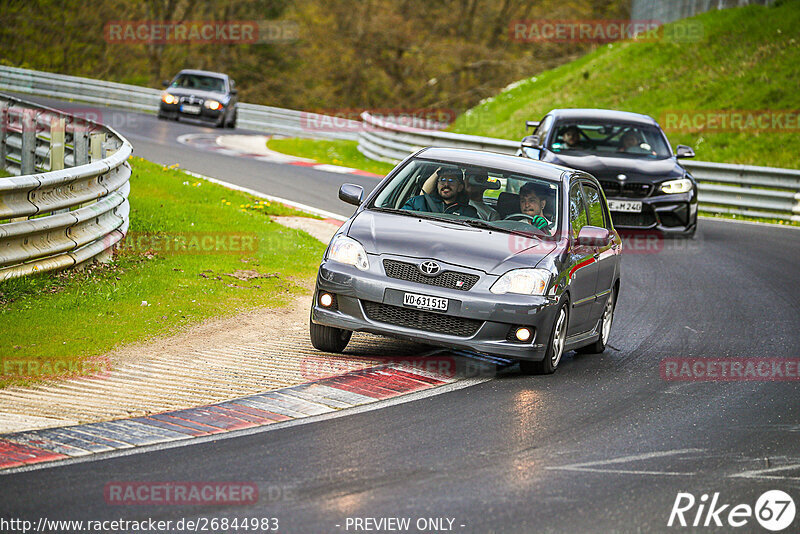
(328, 338)
(606, 321)
(555, 346)
(232, 123)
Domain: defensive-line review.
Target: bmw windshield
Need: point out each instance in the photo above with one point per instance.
(477, 196)
(616, 139)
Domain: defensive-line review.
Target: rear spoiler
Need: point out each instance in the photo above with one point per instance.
(531, 124)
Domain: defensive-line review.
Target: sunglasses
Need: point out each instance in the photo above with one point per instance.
(443, 180)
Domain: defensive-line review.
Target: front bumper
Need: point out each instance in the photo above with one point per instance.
(369, 301)
(205, 115)
(670, 214)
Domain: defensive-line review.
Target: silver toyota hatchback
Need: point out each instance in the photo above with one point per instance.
(475, 251)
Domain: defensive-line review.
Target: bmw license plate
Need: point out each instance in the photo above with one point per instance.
(186, 108)
(629, 206)
(424, 302)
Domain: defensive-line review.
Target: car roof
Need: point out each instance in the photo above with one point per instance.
(503, 162)
(601, 114)
(203, 73)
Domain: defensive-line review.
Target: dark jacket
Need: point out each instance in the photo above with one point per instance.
(434, 204)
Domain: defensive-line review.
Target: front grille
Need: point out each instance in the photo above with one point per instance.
(645, 219)
(625, 190)
(421, 320)
(449, 279)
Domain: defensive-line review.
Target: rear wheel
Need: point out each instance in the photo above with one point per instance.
(605, 327)
(555, 348)
(328, 338)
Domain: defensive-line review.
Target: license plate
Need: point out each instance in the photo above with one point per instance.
(629, 206)
(186, 108)
(424, 302)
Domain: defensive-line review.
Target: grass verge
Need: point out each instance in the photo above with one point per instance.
(195, 250)
(343, 153)
(748, 59)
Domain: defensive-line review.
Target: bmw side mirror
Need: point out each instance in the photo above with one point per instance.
(683, 151)
(531, 141)
(351, 193)
(594, 236)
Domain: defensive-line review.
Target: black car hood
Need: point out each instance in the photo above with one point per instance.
(419, 238)
(181, 91)
(610, 166)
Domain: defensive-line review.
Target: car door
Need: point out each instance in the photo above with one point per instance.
(606, 256)
(581, 264)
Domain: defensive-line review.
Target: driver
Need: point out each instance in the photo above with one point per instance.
(572, 137)
(532, 200)
(449, 196)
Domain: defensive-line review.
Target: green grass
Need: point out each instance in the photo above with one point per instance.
(74, 315)
(747, 59)
(342, 153)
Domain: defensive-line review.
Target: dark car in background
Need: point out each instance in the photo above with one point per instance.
(647, 188)
(417, 263)
(199, 95)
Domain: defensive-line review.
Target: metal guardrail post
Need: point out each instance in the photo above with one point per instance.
(3, 134)
(28, 154)
(96, 146)
(57, 143)
(80, 143)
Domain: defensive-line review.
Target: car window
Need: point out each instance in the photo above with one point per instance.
(202, 83)
(505, 200)
(544, 128)
(594, 201)
(606, 138)
(577, 210)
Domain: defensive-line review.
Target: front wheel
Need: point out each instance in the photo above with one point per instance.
(328, 338)
(605, 327)
(555, 348)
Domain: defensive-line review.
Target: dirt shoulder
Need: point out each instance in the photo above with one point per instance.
(220, 359)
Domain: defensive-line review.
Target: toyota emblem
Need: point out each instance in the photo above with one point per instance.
(621, 177)
(429, 268)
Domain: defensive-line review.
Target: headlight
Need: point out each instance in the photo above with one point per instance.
(522, 281)
(676, 186)
(348, 251)
(212, 104)
(169, 99)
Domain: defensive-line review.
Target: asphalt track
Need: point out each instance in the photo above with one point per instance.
(604, 445)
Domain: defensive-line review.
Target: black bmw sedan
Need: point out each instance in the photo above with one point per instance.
(201, 96)
(647, 188)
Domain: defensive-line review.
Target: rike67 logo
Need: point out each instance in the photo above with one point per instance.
(774, 510)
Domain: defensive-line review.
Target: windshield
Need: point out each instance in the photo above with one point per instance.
(203, 83)
(609, 139)
(469, 194)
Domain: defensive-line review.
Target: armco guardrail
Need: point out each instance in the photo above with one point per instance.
(261, 118)
(68, 200)
(723, 188)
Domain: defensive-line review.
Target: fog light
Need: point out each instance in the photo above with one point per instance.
(523, 334)
(325, 300)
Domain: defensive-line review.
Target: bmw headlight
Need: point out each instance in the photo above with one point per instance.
(348, 251)
(212, 104)
(676, 186)
(522, 281)
(169, 99)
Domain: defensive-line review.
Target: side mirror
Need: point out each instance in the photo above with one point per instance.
(531, 124)
(165, 83)
(234, 91)
(683, 151)
(351, 193)
(531, 141)
(594, 236)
